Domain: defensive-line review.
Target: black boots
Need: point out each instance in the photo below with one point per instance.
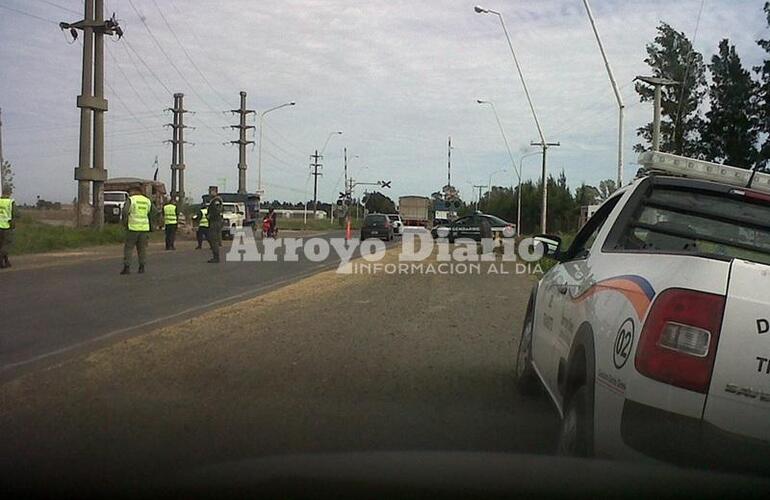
(4, 262)
(141, 268)
(126, 270)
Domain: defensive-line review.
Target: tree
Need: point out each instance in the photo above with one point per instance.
(730, 132)
(606, 188)
(671, 55)
(7, 176)
(378, 202)
(763, 96)
(586, 195)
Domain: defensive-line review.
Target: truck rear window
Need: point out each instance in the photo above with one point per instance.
(701, 223)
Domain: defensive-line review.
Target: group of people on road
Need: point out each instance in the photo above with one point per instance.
(138, 214)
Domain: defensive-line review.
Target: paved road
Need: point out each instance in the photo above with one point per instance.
(331, 363)
(51, 311)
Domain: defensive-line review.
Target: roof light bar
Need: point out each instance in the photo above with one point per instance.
(705, 170)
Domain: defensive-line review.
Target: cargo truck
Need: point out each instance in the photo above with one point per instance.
(414, 210)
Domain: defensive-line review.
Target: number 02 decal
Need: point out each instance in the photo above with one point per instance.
(624, 340)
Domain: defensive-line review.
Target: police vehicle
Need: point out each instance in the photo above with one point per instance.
(651, 334)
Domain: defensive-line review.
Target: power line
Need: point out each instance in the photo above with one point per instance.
(54, 4)
(128, 81)
(24, 13)
(687, 68)
(189, 58)
(163, 51)
(141, 59)
(141, 75)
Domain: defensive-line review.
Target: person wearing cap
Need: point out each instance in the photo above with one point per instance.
(216, 221)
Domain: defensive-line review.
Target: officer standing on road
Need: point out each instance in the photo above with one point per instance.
(138, 213)
(7, 225)
(170, 220)
(201, 218)
(215, 223)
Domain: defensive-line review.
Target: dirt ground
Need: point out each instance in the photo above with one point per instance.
(332, 363)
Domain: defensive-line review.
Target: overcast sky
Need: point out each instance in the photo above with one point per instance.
(397, 77)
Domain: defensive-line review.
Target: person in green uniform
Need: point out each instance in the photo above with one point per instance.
(170, 223)
(202, 234)
(216, 222)
(137, 216)
(7, 225)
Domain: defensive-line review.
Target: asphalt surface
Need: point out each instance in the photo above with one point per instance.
(331, 363)
(48, 311)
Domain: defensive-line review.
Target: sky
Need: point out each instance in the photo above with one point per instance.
(396, 77)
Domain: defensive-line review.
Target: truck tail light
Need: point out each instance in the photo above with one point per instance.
(678, 343)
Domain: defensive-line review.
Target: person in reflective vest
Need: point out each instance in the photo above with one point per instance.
(201, 218)
(7, 225)
(170, 219)
(138, 214)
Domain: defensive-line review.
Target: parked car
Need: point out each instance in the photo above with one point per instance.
(470, 227)
(377, 226)
(650, 334)
(398, 224)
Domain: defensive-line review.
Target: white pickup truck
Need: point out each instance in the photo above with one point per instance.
(651, 334)
(113, 205)
(233, 214)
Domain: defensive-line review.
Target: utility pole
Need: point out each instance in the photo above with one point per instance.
(544, 180)
(242, 142)
(90, 169)
(177, 147)
(658, 84)
(478, 205)
(449, 163)
(316, 165)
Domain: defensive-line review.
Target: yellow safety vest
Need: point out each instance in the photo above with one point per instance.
(204, 222)
(6, 213)
(169, 214)
(139, 215)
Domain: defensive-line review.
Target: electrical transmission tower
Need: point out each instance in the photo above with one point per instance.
(177, 147)
(315, 164)
(242, 142)
(91, 101)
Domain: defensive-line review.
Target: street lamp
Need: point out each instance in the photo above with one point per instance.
(259, 153)
(327, 140)
(518, 197)
(615, 89)
(510, 155)
(543, 143)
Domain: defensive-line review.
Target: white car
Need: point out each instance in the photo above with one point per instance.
(398, 224)
(652, 332)
(233, 215)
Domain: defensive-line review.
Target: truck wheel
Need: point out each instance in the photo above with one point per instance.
(576, 432)
(526, 379)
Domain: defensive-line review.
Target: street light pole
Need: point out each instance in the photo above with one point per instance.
(259, 149)
(543, 143)
(615, 89)
(516, 170)
(518, 197)
(327, 140)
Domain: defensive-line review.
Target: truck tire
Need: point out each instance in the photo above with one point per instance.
(526, 378)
